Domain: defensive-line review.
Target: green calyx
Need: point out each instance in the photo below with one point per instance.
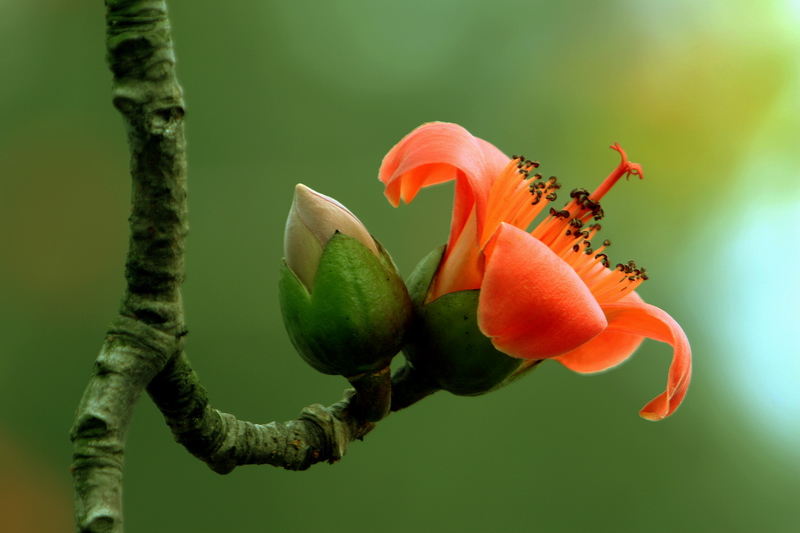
(446, 342)
(356, 318)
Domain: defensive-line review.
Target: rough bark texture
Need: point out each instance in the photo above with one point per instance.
(149, 328)
(143, 347)
(223, 442)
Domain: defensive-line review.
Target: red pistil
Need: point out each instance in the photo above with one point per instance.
(625, 168)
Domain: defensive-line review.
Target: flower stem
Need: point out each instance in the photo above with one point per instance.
(373, 394)
(409, 386)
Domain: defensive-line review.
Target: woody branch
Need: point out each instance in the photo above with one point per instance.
(143, 347)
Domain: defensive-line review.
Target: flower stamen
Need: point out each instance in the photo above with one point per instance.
(566, 233)
(517, 197)
(517, 201)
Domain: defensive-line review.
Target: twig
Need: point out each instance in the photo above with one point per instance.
(144, 344)
(223, 442)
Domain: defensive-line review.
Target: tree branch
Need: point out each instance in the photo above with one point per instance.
(144, 344)
(149, 328)
(223, 442)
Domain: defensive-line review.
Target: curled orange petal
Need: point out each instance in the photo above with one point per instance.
(639, 318)
(437, 152)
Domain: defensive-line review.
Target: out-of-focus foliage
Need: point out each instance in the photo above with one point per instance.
(703, 94)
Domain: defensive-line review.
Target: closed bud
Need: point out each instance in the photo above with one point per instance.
(344, 305)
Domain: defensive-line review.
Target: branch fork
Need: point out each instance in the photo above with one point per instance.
(144, 345)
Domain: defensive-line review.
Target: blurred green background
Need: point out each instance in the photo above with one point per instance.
(705, 95)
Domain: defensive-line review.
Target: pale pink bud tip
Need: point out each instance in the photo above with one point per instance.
(313, 219)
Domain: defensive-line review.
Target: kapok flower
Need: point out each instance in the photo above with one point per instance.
(545, 294)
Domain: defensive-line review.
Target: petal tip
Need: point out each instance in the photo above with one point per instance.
(651, 416)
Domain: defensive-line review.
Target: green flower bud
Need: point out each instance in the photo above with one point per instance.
(446, 345)
(344, 305)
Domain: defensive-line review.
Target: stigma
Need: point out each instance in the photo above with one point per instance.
(625, 168)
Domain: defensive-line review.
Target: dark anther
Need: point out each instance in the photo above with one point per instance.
(575, 248)
(552, 196)
(606, 242)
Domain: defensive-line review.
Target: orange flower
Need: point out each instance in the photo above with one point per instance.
(548, 293)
